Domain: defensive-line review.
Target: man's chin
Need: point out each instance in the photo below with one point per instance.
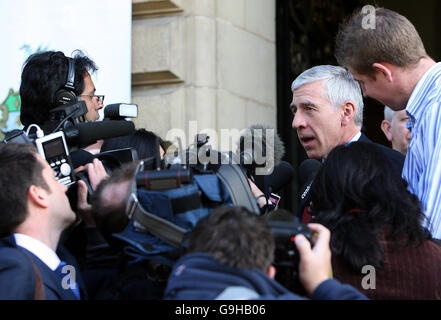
(313, 154)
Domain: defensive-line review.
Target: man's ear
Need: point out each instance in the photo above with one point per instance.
(38, 196)
(271, 271)
(386, 126)
(384, 69)
(347, 113)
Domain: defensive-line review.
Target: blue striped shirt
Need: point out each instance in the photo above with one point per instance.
(422, 167)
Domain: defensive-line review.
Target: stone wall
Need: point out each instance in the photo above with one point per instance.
(210, 61)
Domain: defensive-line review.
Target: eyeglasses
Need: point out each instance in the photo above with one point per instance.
(99, 97)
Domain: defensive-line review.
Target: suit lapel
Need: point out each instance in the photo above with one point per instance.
(51, 280)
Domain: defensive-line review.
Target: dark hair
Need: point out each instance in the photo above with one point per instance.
(19, 169)
(110, 216)
(143, 141)
(235, 237)
(44, 73)
(362, 201)
(394, 40)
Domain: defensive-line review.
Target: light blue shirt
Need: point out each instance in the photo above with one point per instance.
(422, 167)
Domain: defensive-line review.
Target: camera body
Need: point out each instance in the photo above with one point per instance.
(53, 148)
(287, 258)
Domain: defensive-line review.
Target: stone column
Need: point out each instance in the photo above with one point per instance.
(210, 61)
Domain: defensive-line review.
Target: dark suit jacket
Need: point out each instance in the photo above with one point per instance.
(393, 158)
(17, 276)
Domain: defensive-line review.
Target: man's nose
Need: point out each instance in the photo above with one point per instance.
(298, 121)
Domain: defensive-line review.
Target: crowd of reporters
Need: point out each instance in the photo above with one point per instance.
(358, 208)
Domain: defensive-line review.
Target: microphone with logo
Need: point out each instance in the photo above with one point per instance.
(308, 170)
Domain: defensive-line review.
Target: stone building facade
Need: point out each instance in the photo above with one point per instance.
(209, 61)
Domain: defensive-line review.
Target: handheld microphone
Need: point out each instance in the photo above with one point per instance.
(308, 169)
(280, 178)
(87, 133)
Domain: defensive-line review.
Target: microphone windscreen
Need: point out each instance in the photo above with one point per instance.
(307, 170)
(90, 132)
(258, 134)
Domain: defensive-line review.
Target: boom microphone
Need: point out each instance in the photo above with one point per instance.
(87, 133)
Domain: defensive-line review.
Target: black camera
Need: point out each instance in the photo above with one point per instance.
(53, 148)
(285, 227)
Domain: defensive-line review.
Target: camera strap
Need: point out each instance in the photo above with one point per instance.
(230, 175)
(161, 228)
(233, 178)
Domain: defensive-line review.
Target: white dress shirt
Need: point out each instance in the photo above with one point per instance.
(38, 248)
(355, 138)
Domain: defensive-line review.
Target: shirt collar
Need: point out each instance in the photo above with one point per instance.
(414, 107)
(355, 138)
(38, 248)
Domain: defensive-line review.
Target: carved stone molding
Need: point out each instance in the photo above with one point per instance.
(155, 79)
(155, 8)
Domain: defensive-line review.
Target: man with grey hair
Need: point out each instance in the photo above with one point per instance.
(327, 105)
(328, 109)
(395, 130)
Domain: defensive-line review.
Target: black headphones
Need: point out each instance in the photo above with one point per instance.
(66, 94)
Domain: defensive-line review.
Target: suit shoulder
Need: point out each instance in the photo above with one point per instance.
(394, 154)
(12, 256)
(17, 278)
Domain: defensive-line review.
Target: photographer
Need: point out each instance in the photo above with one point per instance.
(230, 255)
(128, 280)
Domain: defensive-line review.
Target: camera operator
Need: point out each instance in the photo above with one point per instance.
(45, 79)
(49, 80)
(230, 254)
(128, 280)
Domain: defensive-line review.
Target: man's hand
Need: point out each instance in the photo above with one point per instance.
(83, 207)
(315, 264)
(256, 193)
(95, 171)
